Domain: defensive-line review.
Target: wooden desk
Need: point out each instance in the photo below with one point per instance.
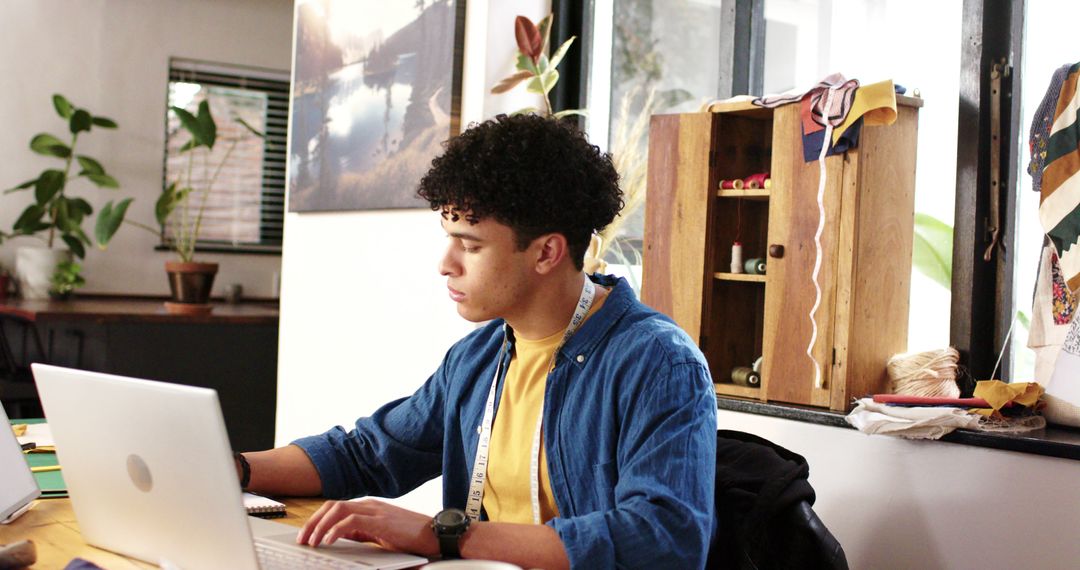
(233, 350)
(51, 525)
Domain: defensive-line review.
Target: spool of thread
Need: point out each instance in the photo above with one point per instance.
(745, 376)
(757, 181)
(735, 184)
(930, 373)
(755, 266)
(736, 258)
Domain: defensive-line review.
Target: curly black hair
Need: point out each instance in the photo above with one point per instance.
(533, 174)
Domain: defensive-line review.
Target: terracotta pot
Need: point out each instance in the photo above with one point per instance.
(190, 284)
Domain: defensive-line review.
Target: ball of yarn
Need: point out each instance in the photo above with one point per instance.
(931, 373)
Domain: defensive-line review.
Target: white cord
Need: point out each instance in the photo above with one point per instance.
(1004, 346)
(819, 382)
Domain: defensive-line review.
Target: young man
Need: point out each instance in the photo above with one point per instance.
(577, 428)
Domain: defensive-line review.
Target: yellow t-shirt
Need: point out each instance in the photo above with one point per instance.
(507, 494)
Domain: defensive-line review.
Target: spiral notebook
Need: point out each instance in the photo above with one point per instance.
(262, 507)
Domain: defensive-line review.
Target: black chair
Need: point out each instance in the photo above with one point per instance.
(764, 515)
(20, 345)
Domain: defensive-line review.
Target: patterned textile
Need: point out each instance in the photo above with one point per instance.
(1059, 205)
(1064, 301)
(1040, 127)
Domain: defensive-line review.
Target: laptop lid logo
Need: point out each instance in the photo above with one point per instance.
(139, 473)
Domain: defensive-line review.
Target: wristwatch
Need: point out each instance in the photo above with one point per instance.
(449, 526)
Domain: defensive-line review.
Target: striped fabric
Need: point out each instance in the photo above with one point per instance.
(1059, 204)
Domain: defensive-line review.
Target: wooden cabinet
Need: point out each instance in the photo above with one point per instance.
(865, 259)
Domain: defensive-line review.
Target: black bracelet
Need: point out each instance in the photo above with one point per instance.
(245, 469)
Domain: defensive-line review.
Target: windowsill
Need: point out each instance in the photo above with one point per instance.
(1052, 441)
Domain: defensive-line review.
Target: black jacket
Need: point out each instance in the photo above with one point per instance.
(764, 518)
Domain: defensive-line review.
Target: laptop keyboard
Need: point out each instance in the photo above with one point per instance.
(274, 557)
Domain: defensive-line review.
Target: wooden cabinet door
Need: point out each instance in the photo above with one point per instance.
(789, 374)
(677, 267)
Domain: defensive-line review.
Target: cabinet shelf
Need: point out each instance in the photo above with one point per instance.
(748, 277)
(729, 389)
(756, 194)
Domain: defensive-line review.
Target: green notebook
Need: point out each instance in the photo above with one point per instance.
(51, 483)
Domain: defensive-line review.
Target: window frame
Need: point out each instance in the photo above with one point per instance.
(272, 193)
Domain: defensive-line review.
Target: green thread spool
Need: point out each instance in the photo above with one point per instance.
(755, 266)
(745, 376)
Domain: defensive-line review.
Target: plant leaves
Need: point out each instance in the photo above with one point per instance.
(103, 180)
(528, 37)
(22, 186)
(524, 111)
(542, 64)
(109, 220)
(189, 122)
(79, 208)
(48, 145)
(561, 52)
(63, 107)
(74, 245)
(165, 204)
(535, 85)
(50, 182)
(545, 32)
(525, 64)
(932, 249)
(104, 122)
(30, 220)
(89, 165)
(80, 121)
(63, 216)
(206, 121)
(549, 79)
(511, 82)
(569, 112)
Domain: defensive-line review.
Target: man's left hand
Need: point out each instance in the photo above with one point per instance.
(370, 520)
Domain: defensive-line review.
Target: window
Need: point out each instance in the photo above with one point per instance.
(803, 43)
(244, 211)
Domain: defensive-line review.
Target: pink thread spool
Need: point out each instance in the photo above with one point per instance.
(757, 181)
(735, 184)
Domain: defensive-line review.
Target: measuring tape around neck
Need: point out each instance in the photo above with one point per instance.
(475, 497)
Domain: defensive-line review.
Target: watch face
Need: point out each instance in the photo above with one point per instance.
(450, 518)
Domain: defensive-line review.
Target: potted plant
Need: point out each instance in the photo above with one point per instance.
(64, 281)
(5, 282)
(54, 211)
(534, 65)
(179, 211)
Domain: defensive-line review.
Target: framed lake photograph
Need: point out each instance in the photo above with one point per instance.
(376, 91)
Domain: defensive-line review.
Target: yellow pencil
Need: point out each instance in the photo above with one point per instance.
(44, 468)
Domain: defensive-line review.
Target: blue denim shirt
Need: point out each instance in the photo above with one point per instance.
(629, 429)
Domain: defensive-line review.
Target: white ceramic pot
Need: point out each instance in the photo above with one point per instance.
(34, 267)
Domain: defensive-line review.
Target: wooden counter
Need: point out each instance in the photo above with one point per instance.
(117, 309)
(51, 525)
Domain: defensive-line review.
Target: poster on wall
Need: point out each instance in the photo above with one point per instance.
(376, 91)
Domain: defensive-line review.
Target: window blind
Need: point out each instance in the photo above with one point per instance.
(245, 208)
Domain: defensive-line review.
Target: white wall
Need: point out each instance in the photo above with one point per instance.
(894, 503)
(365, 316)
(111, 57)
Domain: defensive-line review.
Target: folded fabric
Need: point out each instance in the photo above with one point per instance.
(999, 394)
(874, 103)
(911, 423)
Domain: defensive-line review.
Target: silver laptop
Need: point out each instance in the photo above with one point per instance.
(151, 475)
(19, 488)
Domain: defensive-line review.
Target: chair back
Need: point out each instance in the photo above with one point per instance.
(764, 516)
